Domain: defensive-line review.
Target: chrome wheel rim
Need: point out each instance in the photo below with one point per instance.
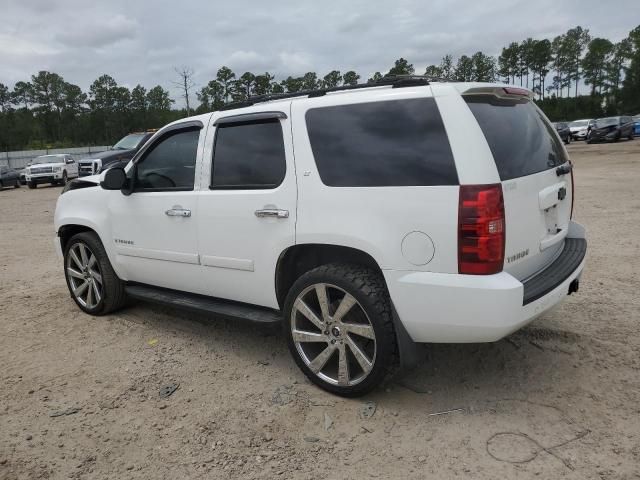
(333, 335)
(84, 275)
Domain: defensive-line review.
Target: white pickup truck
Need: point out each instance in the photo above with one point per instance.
(54, 169)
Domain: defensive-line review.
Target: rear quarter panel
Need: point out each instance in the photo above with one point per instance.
(375, 219)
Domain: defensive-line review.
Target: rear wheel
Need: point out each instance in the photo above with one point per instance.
(92, 282)
(339, 328)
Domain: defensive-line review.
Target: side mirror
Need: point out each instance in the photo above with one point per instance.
(114, 179)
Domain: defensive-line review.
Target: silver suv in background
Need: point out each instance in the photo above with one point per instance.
(580, 128)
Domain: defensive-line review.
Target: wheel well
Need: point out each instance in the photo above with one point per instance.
(299, 259)
(67, 231)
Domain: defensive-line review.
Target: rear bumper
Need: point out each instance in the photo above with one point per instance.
(451, 308)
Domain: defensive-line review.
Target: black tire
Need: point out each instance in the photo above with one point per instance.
(113, 295)
(1, 185)
(17, 184)
(32, 185)
(64, 178)
(368, 288)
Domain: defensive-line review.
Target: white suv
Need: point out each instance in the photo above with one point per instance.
(370, 218)
(54, 169)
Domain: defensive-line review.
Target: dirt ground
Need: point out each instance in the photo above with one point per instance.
(559, 399)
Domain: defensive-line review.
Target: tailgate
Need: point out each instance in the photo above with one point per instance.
(537, 193)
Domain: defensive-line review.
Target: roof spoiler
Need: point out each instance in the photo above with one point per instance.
(501, 92)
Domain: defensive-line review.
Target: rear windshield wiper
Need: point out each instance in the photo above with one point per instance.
(564, 169)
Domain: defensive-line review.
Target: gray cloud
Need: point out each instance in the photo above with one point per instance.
(141, 42)
(99, 32)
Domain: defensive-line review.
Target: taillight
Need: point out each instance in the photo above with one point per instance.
(481, 229)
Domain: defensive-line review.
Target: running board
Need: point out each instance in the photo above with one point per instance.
(203, 304)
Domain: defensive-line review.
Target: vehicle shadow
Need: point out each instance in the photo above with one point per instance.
(44, 185)
(530, 360)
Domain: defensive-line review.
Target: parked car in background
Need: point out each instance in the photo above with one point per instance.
(611, 129)
(22, 173)
(564, 131)
(397, 228)
(636, 125)
(120, 153)
(580, 128)
(9, 177)
(54, 169)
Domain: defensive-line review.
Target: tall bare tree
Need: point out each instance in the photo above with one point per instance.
(185, 84)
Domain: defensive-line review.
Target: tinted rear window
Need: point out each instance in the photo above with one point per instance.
(249, 156)
(521, 140)
(392, 143)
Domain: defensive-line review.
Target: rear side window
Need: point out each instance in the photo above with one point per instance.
(521, 140)
(378, 144)
(248, 156)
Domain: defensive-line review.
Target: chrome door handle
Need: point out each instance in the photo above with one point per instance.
(272, 212)
(178, 212)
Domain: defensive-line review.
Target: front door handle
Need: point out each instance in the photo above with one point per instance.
(272, 212)
(178, 212)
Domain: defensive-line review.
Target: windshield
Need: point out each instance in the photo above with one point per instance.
(129, 142)
(579, 123)
(46, 159)
(606, 122)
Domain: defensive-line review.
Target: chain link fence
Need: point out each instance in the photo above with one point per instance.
(20, 159)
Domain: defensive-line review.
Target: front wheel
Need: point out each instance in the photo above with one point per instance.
(17, 184)
(92, 282)
(64, 178)
(32, 185)
(339, 328)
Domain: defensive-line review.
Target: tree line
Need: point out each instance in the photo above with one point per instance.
(48, 110)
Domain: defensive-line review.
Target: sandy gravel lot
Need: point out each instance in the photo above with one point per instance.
(560, 399)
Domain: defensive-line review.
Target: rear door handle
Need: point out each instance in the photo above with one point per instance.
(178, 212)
(272, 212)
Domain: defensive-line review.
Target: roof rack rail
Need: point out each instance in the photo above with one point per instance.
(395, 81)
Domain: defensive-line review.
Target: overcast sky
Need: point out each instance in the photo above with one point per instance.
(142, 41)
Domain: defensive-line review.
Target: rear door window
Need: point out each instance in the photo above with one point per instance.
(378, 144)
(249, 155)
(522, 141)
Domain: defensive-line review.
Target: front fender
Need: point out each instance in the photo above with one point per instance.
(87, 207)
